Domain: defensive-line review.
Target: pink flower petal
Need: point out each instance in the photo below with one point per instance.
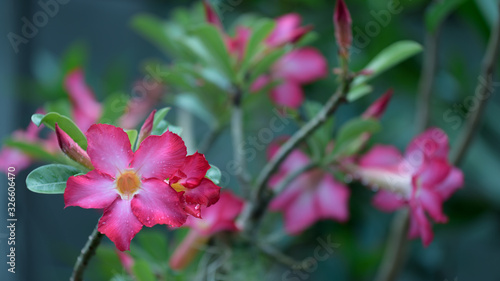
(450, 184)
(260, 83)
(388, 201)
(158, 203)
(332, 199)
(160, 156)
(288, 196)
(423, 225)
(119, 224)
(432, 173)
(109, 148)
(10, 157)
(147, 127)
(301, 214)
(433, 204)
(194, 169)
(285, 30)
(432, 143)
(381, 156)
(94, 190)
(86, 109)
(302, 66)
(206, 193)
(288, 93)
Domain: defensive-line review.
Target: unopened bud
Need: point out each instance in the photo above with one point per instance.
(72, 149)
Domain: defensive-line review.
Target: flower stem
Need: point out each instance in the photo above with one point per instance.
(262, 196)
(484, 92)
(86, 254)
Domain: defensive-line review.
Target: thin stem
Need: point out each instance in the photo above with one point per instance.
(427, 80)
(237, 139)
(86, 254)
(262, 196)
(484, 92)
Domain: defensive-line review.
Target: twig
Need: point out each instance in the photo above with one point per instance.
(237, 139)
(262, 196)
(427, 80)
(395, 251)
(86, 254)
(485, 89)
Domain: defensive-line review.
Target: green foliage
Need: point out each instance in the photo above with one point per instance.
(438, 12)
(34, 150)
(66, 124)
(350, 136)
(50, 179)
(132, 137)
(113, 108)
(142, 271)
(214, 174)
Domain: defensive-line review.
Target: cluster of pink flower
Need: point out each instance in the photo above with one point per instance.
(296, 68)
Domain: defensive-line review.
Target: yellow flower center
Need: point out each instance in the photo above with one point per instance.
(127, 184)
(178, 187)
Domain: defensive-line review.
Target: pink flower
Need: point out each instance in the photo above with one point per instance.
(85, 108)
(287, 30)
(298, 67)
(195, 188)
(421, 179)
(312, 196)
(219, 217)
(129, 186)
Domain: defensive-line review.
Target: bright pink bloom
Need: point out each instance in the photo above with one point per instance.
(342, 24)
(195, 188)
(287, 30)
(299, 67)
(421, 179)
(312, 196)
(219, 217)
(86, 109)
(129, 186)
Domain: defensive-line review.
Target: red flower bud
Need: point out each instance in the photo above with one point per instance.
(212, 16)
(72, 149)
(146, 128)
(377, 108)
(342, 24)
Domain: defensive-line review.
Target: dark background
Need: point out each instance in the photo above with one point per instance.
(48, 238)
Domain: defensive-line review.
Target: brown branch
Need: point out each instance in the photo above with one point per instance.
(86, 254)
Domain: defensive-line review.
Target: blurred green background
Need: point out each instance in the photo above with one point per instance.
(467, 248)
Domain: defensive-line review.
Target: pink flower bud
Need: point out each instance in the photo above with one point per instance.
(377, 108)
(147, 127)
(72, 149)
(342, 24)
(212, 16)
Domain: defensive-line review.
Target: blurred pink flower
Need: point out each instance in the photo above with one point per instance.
(287, 30)
(312, 196)
(129, 185)
(421, 179)
(219, 217)
(298, 67)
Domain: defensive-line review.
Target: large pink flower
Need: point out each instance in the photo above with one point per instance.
(421, 179)
(195, 188)
(219, 217)
(298, 67)
(129, 186)
(312, 196)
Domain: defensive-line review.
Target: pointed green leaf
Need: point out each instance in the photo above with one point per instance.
(389, 57)
(132, 136)
(347, 142)
(260, 31)
(68, 126)
(50, 179)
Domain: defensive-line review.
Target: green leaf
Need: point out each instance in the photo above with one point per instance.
(322, 136)
(389, 57)
(438, 12)
(34, 150)
(207, 43)
(142, 271)
(152, 29)
(265, 63)
(132, 136)
(260, 31)
(50, 179)
(113, 108)
(160, 115)
(358, 92)
(74, 57)
(68, 126)
(214, 174)
(348, 140)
